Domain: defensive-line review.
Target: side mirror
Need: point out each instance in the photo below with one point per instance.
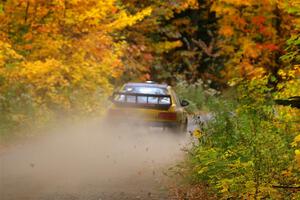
(184, 103)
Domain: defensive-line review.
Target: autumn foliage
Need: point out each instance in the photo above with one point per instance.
(59, 56)
(62, 58)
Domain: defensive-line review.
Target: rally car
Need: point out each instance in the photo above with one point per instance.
(150, 104)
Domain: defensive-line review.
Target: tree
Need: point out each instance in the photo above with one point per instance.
(59, 56)
(180, 43)
(252, 37)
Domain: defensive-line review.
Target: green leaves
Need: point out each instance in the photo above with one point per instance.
(246, 149)
(1, 8)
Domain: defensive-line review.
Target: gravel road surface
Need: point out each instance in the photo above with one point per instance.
(90, 162)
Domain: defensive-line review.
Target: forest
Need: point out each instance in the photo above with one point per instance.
(234, 58)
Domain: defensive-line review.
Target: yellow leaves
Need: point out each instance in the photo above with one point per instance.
(197, 133)
(239, 2)
(224, 186)
(193, 4)
(249, 48)
(202, 170)
(48, 82)
(69, 50)
(297, 151)
(258, 73)
(290, 86)
(288, 172)
(89, 12)
(39, 69)
(282, 73)
(123, 19)
(18, 118)
(297, 156)
(43, 79)
(167, 46)
(230, 153)
(296, 141)
(74, 2)
(290, 73)
(7, 53)
(220, 9)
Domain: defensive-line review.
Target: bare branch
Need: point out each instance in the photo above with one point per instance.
(26, 11)
(187, 43)
(207, 49)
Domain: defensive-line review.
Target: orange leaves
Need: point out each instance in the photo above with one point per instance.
(240, 22)
(147, 77)
(251, 35)
(226, 31)
(269, 47)
(43, 29)
(181, 21)
(148, 57)
(27, 47)
(249, 48)
(183, 5)
(258, 20)
(262, 26)
(220, 9)
(28, 36)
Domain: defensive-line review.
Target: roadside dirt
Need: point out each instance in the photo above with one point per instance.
(91, 162)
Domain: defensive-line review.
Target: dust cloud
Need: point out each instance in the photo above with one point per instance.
(93, 160)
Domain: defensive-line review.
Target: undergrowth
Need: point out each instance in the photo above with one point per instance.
(244, 151)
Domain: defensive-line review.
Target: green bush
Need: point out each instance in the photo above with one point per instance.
(198, 95)
(244, 152)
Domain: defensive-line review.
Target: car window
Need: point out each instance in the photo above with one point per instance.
(143, 99)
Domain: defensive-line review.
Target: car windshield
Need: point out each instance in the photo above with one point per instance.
(144, 99)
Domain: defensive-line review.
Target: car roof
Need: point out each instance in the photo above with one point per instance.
(165, 86)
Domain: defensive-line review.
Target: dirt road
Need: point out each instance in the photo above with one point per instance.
(90, 162)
